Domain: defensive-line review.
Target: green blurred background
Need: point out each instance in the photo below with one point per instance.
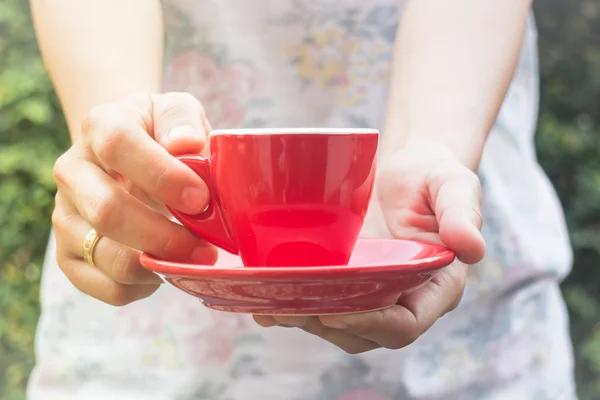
(33, 134)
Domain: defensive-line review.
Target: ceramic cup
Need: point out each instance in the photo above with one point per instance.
(285, 197)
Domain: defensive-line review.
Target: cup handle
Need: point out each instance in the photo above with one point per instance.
(209, 224)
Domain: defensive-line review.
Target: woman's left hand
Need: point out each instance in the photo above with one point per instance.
(425, 194)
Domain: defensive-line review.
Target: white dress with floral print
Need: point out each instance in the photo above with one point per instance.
(267, 63)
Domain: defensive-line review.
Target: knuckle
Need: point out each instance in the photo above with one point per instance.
(178, 105)
(58, 220)
(117, 295)
(140, 104)
(62, 220)
(113, 140)
(454, 304)
(108, 128)
(407, 338)
(103, 213)
(410, 338)
(60, 170)
(95, 118)
(91, 119)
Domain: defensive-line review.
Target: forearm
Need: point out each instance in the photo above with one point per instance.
(453, 63)
(99, 51)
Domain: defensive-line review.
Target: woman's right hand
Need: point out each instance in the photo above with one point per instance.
(115, 178)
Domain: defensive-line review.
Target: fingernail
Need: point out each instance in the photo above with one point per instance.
(182, 132)
(333, 322)
(194, 199)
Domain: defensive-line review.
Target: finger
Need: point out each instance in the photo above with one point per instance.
(118, 137)
(456, 195)
(97, 284)
(118, 262)
(346, 341)
(266, 321)
(114, 213)
(149, 201)
(400, 325)
(180, 124)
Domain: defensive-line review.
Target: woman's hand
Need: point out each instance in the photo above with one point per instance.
(115, 178)
(425, 194)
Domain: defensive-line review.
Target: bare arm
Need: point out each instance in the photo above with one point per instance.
(105, 58)
(454, 61)
(99, 51)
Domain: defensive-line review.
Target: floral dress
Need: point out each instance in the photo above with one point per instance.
(276, 63)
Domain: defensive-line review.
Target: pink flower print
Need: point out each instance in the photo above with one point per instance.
(340, 81)
(241, 80)
(221, 348)
(223, 89)
(362, 394)
(191, 69)
(513, 358)
(140, 319)
(231, 324)
(212, 347)
(223, 110)
(216, 343)
(508, 240)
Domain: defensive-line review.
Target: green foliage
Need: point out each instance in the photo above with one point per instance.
(33, 134)
(569, 150)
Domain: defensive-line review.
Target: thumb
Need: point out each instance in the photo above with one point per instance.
(180, 124)
(456, 198)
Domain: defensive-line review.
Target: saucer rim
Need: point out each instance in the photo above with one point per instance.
(441, 259)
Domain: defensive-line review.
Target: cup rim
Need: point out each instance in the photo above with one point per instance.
(288, 131)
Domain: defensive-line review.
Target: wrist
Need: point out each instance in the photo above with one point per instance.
(461, 138)
(462, 147)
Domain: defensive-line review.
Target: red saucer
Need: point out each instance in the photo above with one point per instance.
(379, 271)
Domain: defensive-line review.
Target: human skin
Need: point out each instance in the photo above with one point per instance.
(453, 62)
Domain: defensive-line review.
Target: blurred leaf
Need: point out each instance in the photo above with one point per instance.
(568, 144)
(582, 303)
(35, 110)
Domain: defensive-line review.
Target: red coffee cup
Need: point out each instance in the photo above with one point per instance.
(285, 197)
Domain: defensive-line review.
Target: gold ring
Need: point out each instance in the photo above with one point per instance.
(90, 242)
